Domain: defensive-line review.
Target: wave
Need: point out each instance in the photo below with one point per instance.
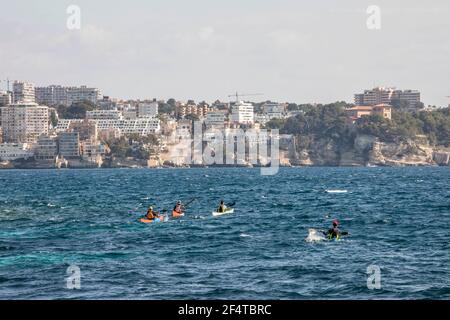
(336, 191)
(314, 236)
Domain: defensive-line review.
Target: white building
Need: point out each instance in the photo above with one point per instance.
(24, 123)
(52, 95)
(243, 113)
(274, 110)
(383, 95)
(104, 115)
(23, 92)
(83, 93)
(142, 126)
(215, 118)
(147, 109)
(14, 151)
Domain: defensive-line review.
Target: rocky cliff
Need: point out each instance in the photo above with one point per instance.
(366, 150)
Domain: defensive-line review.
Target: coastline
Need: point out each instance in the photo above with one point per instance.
(400, 165)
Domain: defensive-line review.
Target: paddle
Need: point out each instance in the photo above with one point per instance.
(189, 202)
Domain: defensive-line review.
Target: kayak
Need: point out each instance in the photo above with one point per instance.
(317, 235)
(177, 215)
(157, 220)
(218, 214)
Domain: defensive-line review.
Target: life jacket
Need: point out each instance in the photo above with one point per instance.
(150, 215)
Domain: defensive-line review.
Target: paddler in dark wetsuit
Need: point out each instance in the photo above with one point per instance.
(335, 233)
(222, 207)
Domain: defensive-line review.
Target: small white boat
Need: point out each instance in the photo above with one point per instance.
(218, 214)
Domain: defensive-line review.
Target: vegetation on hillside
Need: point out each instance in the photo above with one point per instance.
(136, 146)
(76, 110)
(329, 121)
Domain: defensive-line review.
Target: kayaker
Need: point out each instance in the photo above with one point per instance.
(151, 215)
(178, 208)
(222, 207)
(335, 233)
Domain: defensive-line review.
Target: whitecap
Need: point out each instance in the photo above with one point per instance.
(314, 236)
(244, 235)
(336, 191)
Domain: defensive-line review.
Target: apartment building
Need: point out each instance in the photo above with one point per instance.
(141, 126)
(55, 95)
(216, 119)
(46, 148)
(14, 151)
(52, 95)
(24, 122)
(104, 115)
(69, 144)
(83, 93)
(23, 92)
(383, 95)
(243, 113)
(199, 110)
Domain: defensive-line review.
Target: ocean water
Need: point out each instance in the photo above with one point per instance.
(398, 219)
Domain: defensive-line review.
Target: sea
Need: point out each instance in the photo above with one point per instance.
(75, 234)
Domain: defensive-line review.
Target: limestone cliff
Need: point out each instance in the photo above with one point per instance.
(366, 150)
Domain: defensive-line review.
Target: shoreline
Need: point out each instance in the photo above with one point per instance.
(217, 167)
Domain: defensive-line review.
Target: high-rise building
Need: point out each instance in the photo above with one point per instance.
(382, 95)
(23, 92)
(51, 95)
(243, 113)
(83, 93)
(55, 95)
(24, 122)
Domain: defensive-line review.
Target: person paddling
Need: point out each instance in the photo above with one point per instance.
(335, 233)
(151, 214)
(178, 210)
(222, 207)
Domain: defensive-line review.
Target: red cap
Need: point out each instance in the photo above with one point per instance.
(335, 222)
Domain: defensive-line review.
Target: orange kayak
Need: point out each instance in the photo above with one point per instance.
(147, 221)
(177, 214)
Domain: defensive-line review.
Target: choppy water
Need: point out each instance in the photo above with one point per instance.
(399, 219)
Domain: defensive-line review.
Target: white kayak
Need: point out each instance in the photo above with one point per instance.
(218, 214)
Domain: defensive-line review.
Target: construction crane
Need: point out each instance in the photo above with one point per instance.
(237, 95)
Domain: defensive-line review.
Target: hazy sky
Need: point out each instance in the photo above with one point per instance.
(290, 50)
